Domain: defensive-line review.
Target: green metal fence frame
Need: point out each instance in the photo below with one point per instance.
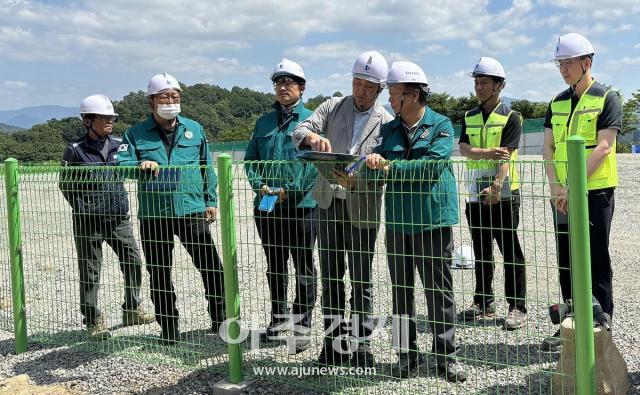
(12, 182)
(581, 265)
(229, 259)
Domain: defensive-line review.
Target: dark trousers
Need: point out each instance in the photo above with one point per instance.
(283, 233)
(89, 233)
(430, 253)
(500, 222)
(339, 239)
(157, 243)
(601, 206)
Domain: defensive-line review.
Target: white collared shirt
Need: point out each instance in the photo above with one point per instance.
(360, 119)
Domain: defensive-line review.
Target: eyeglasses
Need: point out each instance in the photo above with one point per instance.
(107, 118)
(175, 98)
(286, 82)
(403, 93)
(566, 63)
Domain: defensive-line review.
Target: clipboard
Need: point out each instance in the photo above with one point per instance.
(317, 156)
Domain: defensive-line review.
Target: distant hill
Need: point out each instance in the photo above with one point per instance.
(9, 129)
(29, 116)
(508, 100)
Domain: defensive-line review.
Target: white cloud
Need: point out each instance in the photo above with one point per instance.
(637, 46)
(536, 81)
(457, 83)
(15, 84)
(341, 51)
(608, 10)
(13, 34)
(623, 28)
(474, 43)
(395, 56)
(328, 85)
(500, 42)
(434, 48)
(600, 47)
(625, 61)
(546, 51)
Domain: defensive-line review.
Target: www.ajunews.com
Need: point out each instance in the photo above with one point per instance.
(302, 371)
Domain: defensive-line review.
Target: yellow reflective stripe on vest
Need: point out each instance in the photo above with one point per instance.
(582, 122)
(489, 135)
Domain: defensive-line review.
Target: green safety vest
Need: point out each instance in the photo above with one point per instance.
(582, 122)
(489, 135)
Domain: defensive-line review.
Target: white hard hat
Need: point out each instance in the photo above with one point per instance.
(160, 82)
(406, 72)
(371, 66)
(463, 258)
(488, 66)
(97, 104)
(288, 67)
(572, 45)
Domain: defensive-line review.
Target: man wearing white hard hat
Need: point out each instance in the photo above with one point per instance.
(289, 225)
(349, 208)
(101, 214)
(593, 111)
(421, 206)
(174, 201)
(490, 138)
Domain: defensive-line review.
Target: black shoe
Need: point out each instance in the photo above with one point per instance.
(452, 372)
(553, 343)
(407, 366)
(275, 328)
(477, 312)
(363, 357)
(300, 341)
(215, 327)
(329, 357)
(170, 335)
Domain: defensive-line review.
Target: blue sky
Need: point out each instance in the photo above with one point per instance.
(57, 52)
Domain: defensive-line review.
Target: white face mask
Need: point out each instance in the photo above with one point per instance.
(168, 111)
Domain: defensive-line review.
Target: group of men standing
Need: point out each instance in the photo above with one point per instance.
(341, 207)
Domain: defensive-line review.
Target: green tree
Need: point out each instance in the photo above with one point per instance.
(314, 102)
(530, 110)
(631, 113)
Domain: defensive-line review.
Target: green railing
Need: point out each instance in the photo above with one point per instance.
(43, 249)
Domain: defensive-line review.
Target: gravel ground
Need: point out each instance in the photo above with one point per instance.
(133, 362)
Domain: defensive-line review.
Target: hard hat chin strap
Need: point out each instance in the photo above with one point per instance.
(573, 86)
(495, 90)
(91, 129)
(401, 103)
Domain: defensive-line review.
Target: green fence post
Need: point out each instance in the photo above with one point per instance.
(229, 256)
(581, 265)
(15, 254)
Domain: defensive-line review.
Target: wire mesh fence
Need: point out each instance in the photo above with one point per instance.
(496, 360)
(334, 297)
(98, 249)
